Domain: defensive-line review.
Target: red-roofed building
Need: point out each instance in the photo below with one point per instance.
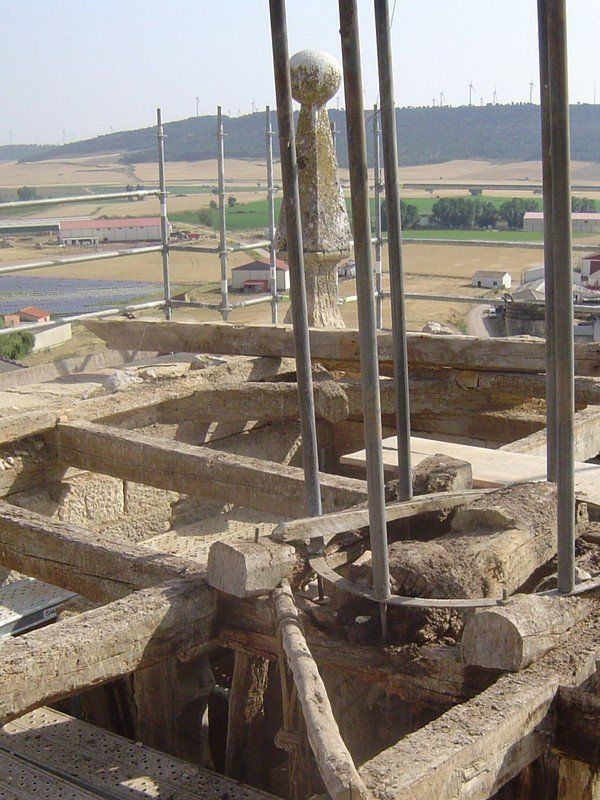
(34, 314)
(255, 276)
(96, 231)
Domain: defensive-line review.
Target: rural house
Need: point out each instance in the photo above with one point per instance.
(491, 279)
(255, 277)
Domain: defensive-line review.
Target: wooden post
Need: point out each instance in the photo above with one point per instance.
(243, 759)
(333, 759)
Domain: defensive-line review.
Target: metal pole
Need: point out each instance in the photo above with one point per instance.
(394, 237)
(222, 216)
(551, 332)
(291, 203)
(164, 222)
(271, 209)
(377, 173)
(359, 192)
(563, 289)
(334, 135)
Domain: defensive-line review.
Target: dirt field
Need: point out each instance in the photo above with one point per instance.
(106, 169)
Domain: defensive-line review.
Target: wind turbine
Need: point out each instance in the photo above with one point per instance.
(471, 90)
(531, 87)
(197, 106)
(442, 98)
(495, 96)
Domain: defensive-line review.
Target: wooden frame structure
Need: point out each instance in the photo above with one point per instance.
(487, 727)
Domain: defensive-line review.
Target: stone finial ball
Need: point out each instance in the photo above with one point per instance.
(316, 77)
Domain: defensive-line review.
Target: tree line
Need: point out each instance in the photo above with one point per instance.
(466, 213)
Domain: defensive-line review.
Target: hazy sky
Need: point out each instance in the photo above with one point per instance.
(87, 66)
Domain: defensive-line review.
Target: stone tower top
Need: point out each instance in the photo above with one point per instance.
(316, 77)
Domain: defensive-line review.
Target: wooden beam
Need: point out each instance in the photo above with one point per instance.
(465, 352)
(183, 468)
(433, 677)
(586, 440)
(331, 754)
(513, 636)
(148, 395)
(73, 558)
(329, 525)
(578, 725)
(101, 645)
(471, 751)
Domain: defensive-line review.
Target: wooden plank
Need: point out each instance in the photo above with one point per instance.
(519, 354)
(103, 644)
(187, 469)
(471, 751)
(329, 525)
(73, 558)
(491, 468)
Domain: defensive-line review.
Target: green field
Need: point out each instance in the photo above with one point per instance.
(493, 236)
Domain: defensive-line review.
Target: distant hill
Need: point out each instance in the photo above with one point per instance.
(22, 152)
(425, 136)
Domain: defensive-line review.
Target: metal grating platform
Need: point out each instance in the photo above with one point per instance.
(46, 754)
(27, 603)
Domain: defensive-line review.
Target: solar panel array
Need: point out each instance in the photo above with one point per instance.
(72, 295)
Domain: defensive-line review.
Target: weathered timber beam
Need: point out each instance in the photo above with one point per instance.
(467, 352)
(331, 754)
(103, 644)
(329, 525)
(433, 677)
(515, 384)
(578, 725)
(80, 560)
(152, 394)
(586, 439)
(511, 637)
(471, 751)
(183, 468)
(267, 401)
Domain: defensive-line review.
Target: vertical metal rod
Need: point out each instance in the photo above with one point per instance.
(271, 210)
(164, 221)
(291, 204)
(361, 219)
(222, 215)
(334, 136)
(563, 289)
(548, 243)
(377, 174)
(394, 236)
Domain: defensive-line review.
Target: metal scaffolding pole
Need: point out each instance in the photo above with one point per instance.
(551, 332)
(271, 209)
(563, 291)
(394, 237)
(222, 216)
(359, 192)
(291, 202)
(164, 222)
(378, 240)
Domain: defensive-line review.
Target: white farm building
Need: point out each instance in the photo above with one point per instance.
(583, 222)
(491, 279)
(98, 231)
(255, 277)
